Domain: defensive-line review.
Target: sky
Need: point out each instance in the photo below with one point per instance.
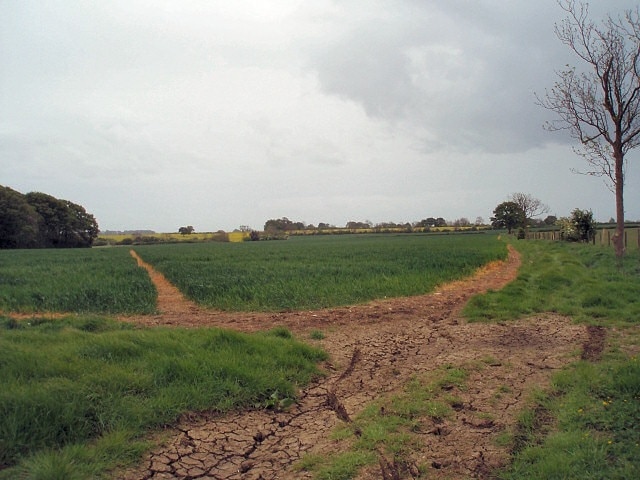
(159, 114)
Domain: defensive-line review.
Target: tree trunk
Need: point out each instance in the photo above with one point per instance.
(618, 236)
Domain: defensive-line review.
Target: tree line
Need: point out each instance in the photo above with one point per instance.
(39, 220)
(283, 225)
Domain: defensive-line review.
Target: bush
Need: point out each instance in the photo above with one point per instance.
(580, 227)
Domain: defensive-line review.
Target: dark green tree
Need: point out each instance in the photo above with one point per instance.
(508, 215)
(38, 220)
(82, 228)
(19, 222)
(63, 224)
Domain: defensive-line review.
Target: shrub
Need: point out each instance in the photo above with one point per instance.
(580, 227)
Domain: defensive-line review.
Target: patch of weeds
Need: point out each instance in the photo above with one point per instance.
(491, 361)
(504, 439)
(504, 389)
(316, 335)
(570, 279)
(345, 465)
(454, 377)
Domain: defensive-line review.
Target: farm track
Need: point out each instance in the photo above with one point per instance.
(375, 349)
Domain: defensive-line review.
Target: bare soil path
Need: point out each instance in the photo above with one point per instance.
(375, 349)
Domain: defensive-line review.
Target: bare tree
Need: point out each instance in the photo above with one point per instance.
(531, 206)
(601, 106)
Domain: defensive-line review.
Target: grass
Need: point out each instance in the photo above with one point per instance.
(586, 425)
(103, 281)
(595, 413)
(301, 273)
(80, 393)
(319, 272)
(580, 281)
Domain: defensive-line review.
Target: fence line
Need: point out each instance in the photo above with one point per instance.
(604, 237)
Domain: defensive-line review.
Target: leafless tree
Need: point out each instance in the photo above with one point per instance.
(600, 107)
(531, 206)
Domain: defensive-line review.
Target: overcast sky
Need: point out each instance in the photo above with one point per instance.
(157, 114)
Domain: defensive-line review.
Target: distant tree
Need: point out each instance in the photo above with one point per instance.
(358, 225)
(188, 230)
(600, 107)
(254, 236)
(508, 215)
(19, 222)
(245, 228)
(550, 220)
(479, 221)
(461, 222)
(324, 226)
(440, 222)
(279, 225)
(532, 207)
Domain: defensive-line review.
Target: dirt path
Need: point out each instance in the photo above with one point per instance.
(375, 349)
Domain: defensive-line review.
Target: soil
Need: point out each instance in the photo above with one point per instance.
(374, 350)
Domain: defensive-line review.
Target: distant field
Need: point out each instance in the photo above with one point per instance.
(319, 272)
(300, 273)
(74, 280)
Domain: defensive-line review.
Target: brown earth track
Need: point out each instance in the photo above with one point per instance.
(375, 349)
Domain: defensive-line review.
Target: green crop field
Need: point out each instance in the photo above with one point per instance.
(301, 273)
(318, 272)
(74, 280)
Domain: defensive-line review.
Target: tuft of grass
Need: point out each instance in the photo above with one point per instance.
(577, 280)
(316, 335)
(79, 393)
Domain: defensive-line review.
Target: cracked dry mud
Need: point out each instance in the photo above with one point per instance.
(374, 350)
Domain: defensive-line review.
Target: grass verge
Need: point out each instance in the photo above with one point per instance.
(586, 425)
(79, 393)
(577, 280)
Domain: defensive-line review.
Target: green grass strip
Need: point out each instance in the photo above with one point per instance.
(71, 383)
(577, 280)
(586, 426)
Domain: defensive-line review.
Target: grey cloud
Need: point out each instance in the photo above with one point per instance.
(465, 73)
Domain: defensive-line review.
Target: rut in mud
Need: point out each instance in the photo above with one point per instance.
(375, 350)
